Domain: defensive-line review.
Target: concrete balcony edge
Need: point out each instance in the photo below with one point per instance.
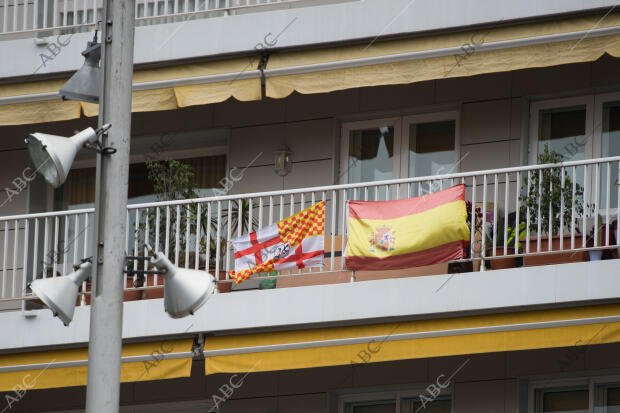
(338, 304)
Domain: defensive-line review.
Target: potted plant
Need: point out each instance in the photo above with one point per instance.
(557, 195)
(602, 240)
(468, 266)
(512, 233)
(174, 180)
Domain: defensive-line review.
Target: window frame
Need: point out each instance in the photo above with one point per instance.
(429, 118)
(590, 382)
(396, 395)
(347, 127)
(401, 126)
(599, 102)
(539, 106)
(169, 152)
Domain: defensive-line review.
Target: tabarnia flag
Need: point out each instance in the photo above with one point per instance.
(295, 242)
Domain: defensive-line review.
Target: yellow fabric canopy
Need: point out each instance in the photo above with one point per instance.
(47, 375)
(381, 342)
(467, 62)
(151, 99)
(468, 59)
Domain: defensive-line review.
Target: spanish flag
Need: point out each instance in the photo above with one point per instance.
(390, 235)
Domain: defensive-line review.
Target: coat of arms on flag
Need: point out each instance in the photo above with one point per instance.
(405, 233)
(295, 242)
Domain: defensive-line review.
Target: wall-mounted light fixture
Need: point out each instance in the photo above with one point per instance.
(283, 160)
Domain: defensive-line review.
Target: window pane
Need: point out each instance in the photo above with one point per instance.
(564, 131)
(441, 405)
(608, 399)
(610, 147)
(565, 401)
(371, 154)
(431, 148)
(371, 407)
(79, 189)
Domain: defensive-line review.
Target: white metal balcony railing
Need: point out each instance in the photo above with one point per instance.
(66, 16)
(195, 233)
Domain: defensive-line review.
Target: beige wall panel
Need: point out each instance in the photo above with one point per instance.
(301, 107)
(13, 165)
(397, 96)
(45, 400)
(247, 143)
(605, 71)
(511, 395)
(482, 87)
(305, 403)
(478, 397)
(551, 80)
(315, 380)
(548, 361)
(516, 117)
(262, 405)
(515, 153)
(235, 113)
(392, 373)
(309, 174)
(311, 139)
(603, 356)
(254, 385)
(307, 140)
(485, 156)
(258, 179)
(480, 367)
(185, 119)
(486, 121)
(166, 390)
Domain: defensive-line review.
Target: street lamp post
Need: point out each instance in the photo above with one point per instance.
(105, 341)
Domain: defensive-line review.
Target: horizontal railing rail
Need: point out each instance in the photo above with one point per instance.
(514, 214)
(70, 16)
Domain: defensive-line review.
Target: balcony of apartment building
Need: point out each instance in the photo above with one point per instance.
(526, 115)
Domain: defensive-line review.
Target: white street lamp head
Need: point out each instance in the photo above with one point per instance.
(60, 293)
(53, 155)
(185, 290)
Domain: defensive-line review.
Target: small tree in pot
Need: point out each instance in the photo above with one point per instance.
(556, 198)
(552, 193)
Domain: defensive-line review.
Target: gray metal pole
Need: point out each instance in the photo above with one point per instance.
(106, 317)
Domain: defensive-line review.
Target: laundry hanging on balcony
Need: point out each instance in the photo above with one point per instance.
(391, 235)
(292, 243)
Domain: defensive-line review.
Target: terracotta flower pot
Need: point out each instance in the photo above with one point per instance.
(151, 293)
(555, 258)
(502, 263)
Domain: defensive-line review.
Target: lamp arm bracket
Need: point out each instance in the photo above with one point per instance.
(82, 261)
(142, 272)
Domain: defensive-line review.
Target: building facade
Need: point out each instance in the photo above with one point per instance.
(370, 100)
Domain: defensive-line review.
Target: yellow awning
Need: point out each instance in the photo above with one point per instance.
(411, 340)
(48, 371)
(459, 54)
(468, 53)
(149, 97)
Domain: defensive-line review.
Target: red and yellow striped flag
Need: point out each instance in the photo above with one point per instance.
(293, 243)
(389, 235)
